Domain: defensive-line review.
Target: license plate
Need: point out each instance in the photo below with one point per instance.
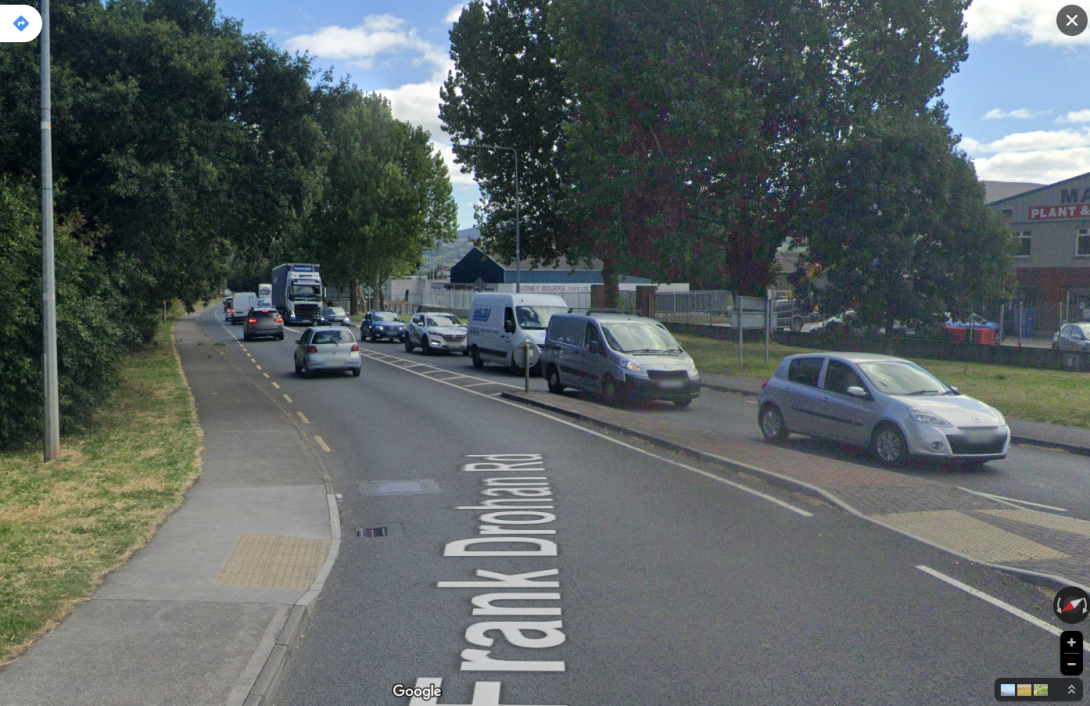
(672, 384)
(353, 354)
(979, 437)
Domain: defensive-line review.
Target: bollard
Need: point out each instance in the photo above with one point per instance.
(526, 363)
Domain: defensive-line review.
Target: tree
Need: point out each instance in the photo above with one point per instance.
(899, 223)
(387, 198)
(507, 89)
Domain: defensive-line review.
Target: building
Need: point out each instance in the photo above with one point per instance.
(480, 270)
(1051, 228)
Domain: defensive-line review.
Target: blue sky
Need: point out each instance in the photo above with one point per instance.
(1021, 102)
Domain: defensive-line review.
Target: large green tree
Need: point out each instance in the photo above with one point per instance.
(387, 198)
(507, 89)
(899, 224)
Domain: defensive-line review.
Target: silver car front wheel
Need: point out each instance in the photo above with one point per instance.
(772, 424)
(889, 446)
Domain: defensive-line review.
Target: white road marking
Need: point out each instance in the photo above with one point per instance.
(321, 443)
(478, 384)
(276, 386)
(301, 416)
(1013, 500)
(610, 439)
(287, 398)
(994, 601)
(751, 401)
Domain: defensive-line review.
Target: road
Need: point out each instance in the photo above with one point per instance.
(670, 588)
(1029, 475)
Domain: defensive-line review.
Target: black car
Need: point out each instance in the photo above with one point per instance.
(332, 315)
(263, 322)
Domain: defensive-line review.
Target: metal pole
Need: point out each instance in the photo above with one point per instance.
(738, 308)
(526, 363)
(768, 322)
(1021, 320)
(51, 426)
(518, 251)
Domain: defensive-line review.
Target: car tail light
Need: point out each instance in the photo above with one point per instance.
(312, 349)
(251, 321)
(279, 320)
(356, 347)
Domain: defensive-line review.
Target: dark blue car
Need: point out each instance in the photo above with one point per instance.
(380, 325)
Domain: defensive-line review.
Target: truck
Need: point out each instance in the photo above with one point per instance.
(297, 292)
(264, 294)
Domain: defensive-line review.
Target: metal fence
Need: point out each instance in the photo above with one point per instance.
(699, 307)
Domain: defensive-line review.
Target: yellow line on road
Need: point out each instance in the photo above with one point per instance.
(321, 443)
(265, 374)
(305, 420)
(258, 366)
(287, 398)
(276, 386)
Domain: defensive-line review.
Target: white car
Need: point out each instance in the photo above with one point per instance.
(433, 332)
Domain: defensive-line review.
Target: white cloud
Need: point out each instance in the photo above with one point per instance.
(1075, 116)
(1020, 114)
(1031, 20)
(454, 13)
(360, 45)
(1040, 140)
(1041, 156)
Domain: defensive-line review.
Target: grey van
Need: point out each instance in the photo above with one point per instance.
(616, 356)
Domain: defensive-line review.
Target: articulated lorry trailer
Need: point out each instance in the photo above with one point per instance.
(297, 292)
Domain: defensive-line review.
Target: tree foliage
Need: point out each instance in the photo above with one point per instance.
(898, 222)
(507, 89)
(387, 199)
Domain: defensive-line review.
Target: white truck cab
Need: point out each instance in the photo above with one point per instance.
(498, 323)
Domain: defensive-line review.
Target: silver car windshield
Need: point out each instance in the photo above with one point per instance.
(444, 321)
(536, 318)
(635, 338)
(894, 378)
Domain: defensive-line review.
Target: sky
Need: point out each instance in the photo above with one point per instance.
(1020, 102)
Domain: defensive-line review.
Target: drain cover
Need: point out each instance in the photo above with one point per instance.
(398, 487)
(371, 532)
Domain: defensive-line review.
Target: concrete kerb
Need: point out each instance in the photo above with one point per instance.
(1015, 438)
(294, 626)
(1037, 578)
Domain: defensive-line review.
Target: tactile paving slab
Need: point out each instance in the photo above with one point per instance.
(270, 561)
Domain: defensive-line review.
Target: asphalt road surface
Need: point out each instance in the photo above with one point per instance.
(643, 583)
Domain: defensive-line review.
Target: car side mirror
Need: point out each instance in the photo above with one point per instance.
(953, 388)
(298, 341)
(856, 391)
(509, 326)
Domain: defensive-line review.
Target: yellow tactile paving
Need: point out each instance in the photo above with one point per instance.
(969, 536)
(1044, 519)
(269, 561)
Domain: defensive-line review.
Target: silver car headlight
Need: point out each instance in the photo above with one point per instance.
(692, 368)
(1002, 419)
(632, 365)
(931, 420)
(435, 339)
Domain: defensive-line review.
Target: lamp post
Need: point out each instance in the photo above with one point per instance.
(50, 397)
(518, 253)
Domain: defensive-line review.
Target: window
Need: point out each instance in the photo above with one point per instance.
(1082, 242)
(1008, 213)
(334, 336)
(593, 335)
(805, 371)
(839, 377)
(564, 330)
(1022, 243)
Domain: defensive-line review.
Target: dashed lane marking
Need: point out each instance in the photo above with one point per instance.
(303, 417)
(258, 366)
(265, 374)
(276, 386)
(287, 398)
(321, 443)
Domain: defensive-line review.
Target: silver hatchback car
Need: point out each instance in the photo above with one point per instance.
(327, 348)
(889, 405)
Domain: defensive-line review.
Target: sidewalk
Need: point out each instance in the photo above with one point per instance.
(1041, 547)
(207, 612)
(1022, 432)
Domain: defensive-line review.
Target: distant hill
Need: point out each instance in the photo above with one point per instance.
(451, 253)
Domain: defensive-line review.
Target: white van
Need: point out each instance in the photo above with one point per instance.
(498, 323)
(243, 302)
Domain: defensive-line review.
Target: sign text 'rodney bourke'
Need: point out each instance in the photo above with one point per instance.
(515, 503)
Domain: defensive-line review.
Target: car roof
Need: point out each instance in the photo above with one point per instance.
(436, 313)
(853, 357)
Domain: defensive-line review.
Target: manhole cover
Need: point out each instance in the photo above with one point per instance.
(398, 487)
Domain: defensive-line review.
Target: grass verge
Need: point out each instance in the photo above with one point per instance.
(67, 523)
(1050, 396)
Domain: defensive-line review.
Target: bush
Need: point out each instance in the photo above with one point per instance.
(91, 334)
